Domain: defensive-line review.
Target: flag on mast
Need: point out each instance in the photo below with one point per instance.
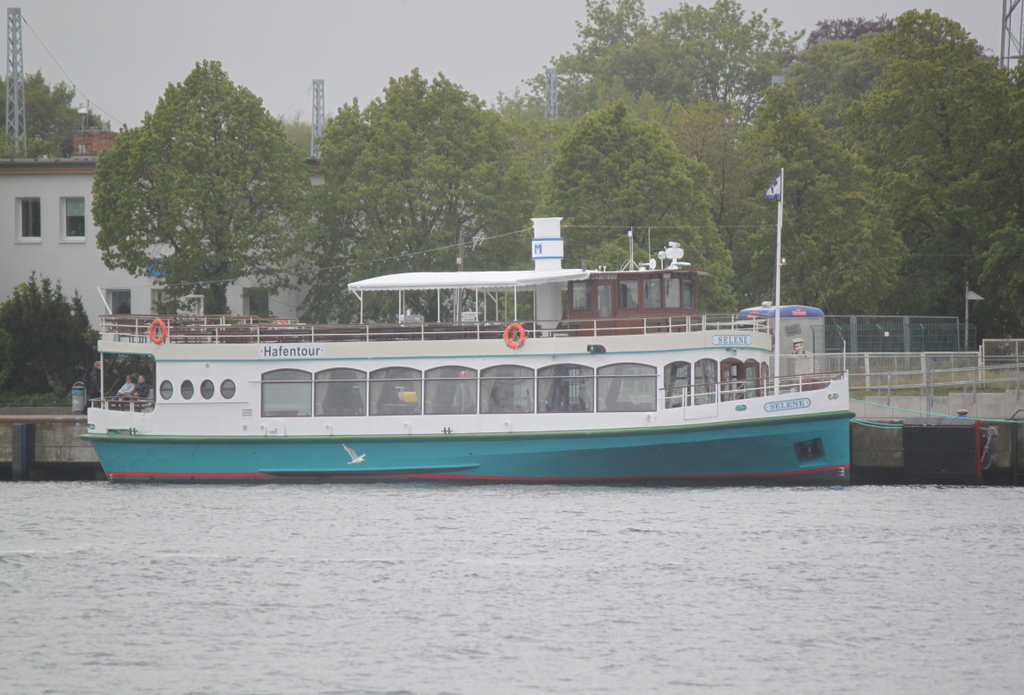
(775, 190)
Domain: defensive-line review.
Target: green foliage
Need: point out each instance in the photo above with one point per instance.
(684, 55)
(828, 76)
(298, 132)
(933, 127)
(613, 172)
(50, 119)
(842, 254)
(46, 343)
(404, 180)
(206, 191)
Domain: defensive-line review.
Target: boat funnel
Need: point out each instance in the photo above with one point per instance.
(546, 246)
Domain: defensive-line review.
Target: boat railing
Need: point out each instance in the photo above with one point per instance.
(736, 390)
(136, 328)
(124, 403)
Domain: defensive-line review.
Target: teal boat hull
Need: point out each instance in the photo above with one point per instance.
(782, 450)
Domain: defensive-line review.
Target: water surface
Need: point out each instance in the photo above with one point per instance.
(510, 589)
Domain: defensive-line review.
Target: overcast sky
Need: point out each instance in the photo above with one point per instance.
(121, 54)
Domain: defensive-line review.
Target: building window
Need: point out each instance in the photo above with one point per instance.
(28, 218)
(256, 301)
(120, 301)
(73, 218)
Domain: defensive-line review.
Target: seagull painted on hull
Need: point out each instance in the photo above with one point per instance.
(355, 459)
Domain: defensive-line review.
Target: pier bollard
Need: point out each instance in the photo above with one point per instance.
(23, 450)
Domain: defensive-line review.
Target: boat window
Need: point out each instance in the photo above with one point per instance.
(340, 392)
(506, 388)
(227, 389)
(187, 389)
(704, 372)
(626, 387)
(449, 390)
(395, 391)
(581, 296)
(652, 293)
(730, 378)
(287, 393)
(206, 389)
(166, 390)
(629, 294)
(766, 371)
(689, 297)
(677, 379)
(604, 300)
(751, 382)
(565, 388)
(672, 293)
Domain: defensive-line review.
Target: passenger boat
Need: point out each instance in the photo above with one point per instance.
(615, 378)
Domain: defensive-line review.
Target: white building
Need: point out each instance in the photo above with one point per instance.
(47, 227)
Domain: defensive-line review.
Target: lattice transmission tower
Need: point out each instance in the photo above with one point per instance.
(15, 83)
(550, 93)
(318, 119)
(1012, 33)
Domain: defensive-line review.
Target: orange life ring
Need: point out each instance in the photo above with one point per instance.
(280, 322)
(158, 323)
(520, 335)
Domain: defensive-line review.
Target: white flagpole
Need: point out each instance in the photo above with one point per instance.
(778, 278)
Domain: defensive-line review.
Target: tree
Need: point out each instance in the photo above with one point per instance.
(842, 253)
(46, 343)
(298, 132)
(712, 134)
(1002, 275)
(829, 76)
(688, 54)
(849, 28)
(206, 191)
(405, 180)
(50, 119)
(932, 127)
(614, 172)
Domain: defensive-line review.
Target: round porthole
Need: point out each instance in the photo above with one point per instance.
(227, 388)
(166, 390)
(206, 389)
(187, 389)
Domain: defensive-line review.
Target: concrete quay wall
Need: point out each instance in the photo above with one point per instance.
(60, 453)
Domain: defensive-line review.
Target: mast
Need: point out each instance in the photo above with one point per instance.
(778, 273)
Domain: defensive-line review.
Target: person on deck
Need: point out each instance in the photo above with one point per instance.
(141, 388)
(95, 377)
(127, 388)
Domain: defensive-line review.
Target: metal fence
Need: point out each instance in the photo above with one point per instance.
(914, 374)
(855, 334)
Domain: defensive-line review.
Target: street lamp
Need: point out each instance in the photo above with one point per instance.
(968, 298)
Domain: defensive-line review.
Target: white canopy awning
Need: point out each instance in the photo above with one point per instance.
(473, 280)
